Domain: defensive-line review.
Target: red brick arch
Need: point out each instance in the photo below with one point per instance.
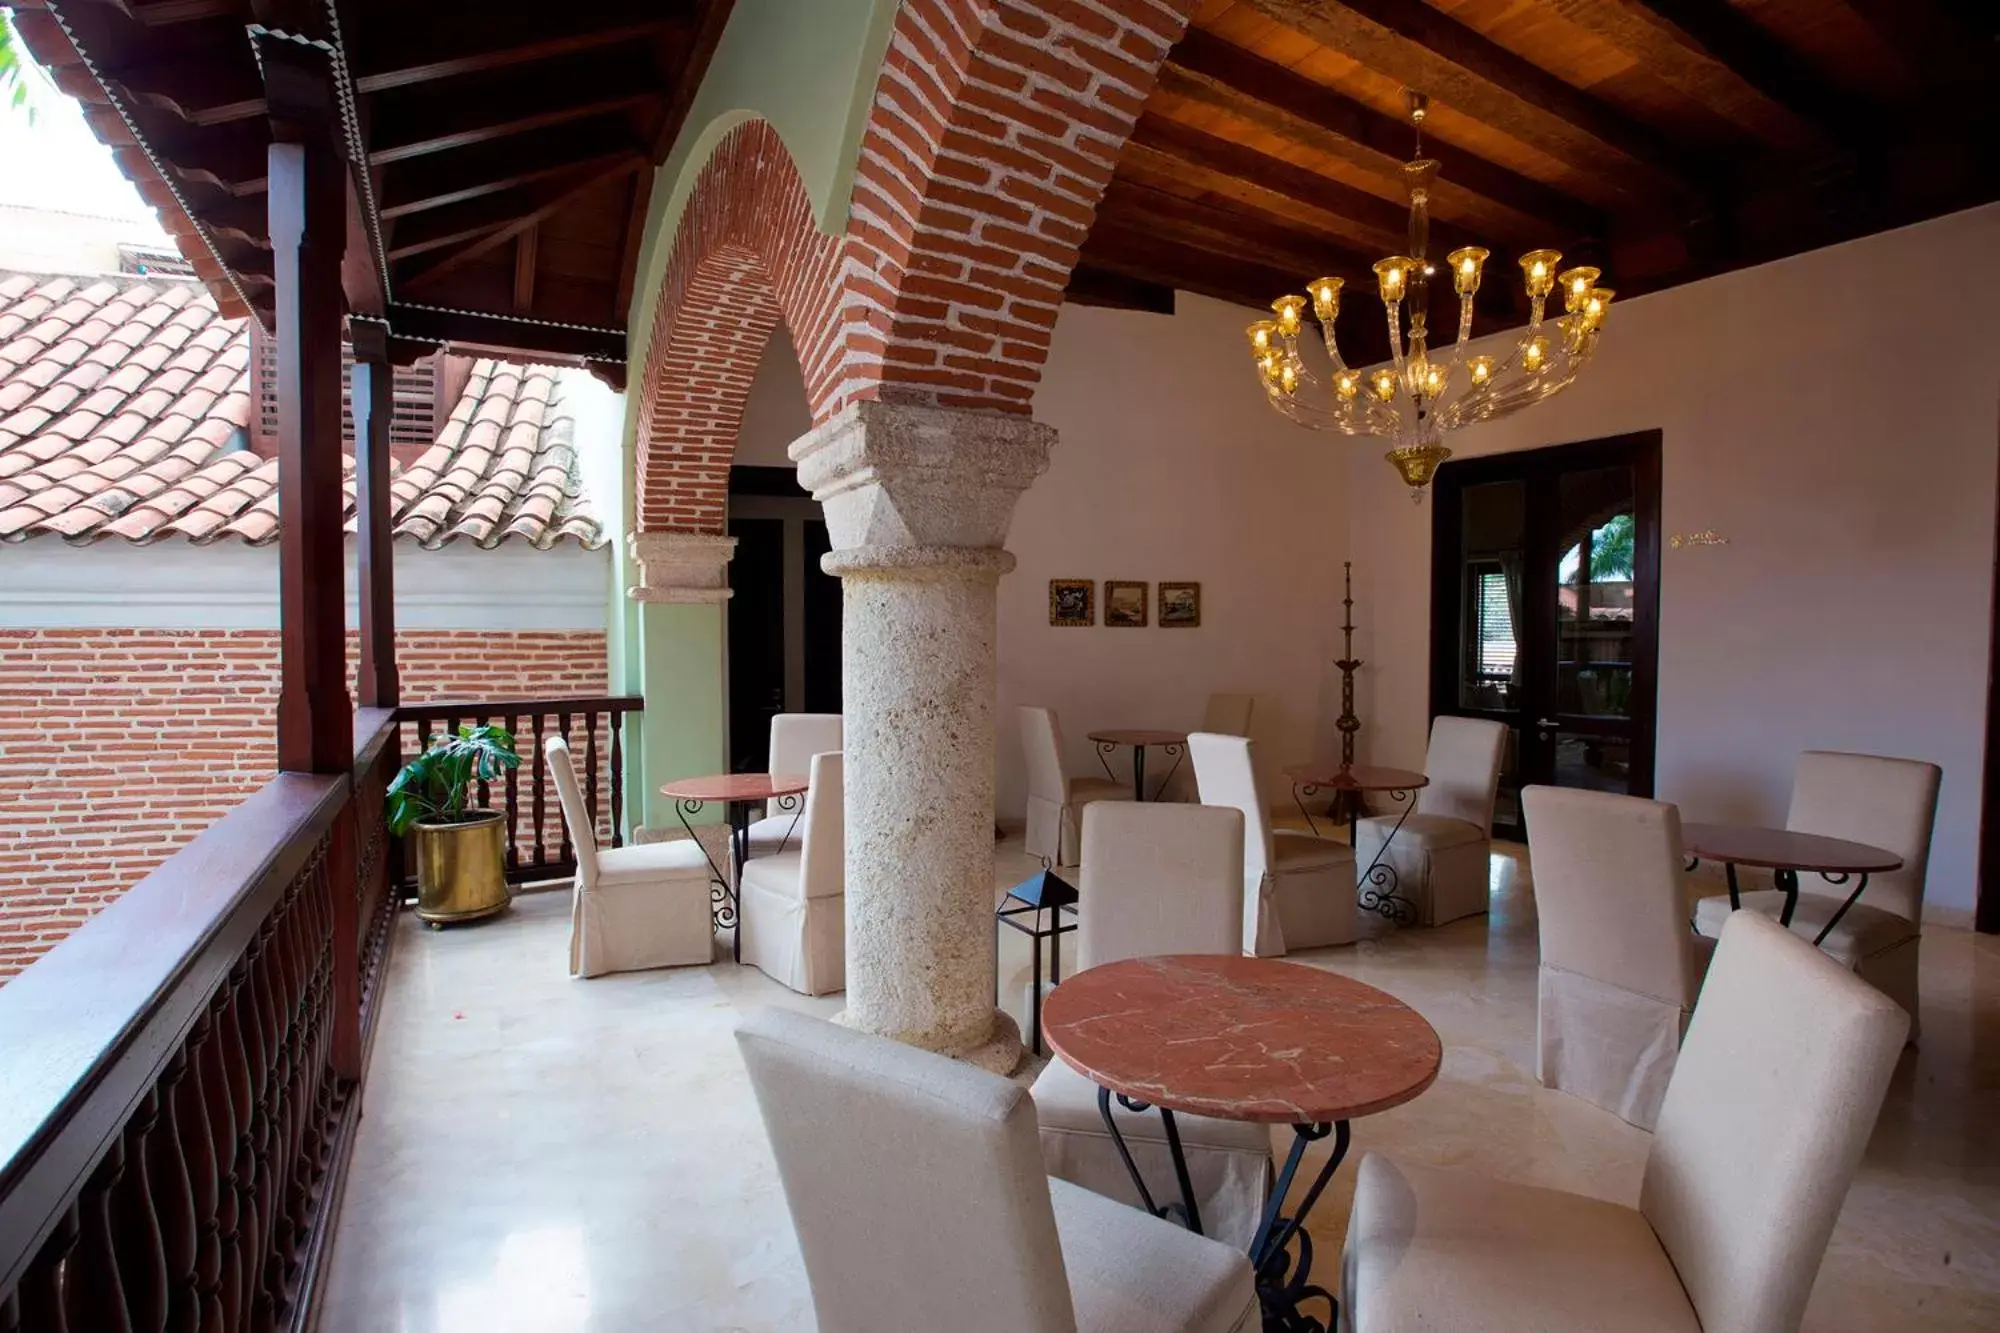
(746, 254)
(995, 127)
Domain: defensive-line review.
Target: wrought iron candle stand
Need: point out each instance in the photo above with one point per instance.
(1347, 805)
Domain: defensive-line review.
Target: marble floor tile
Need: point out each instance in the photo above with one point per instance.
(557, 1156)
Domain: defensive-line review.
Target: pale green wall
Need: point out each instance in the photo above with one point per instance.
(808, 67)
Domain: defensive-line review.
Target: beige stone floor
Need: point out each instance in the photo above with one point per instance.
(552, 1156)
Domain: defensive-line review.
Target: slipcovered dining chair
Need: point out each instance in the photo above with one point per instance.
(632, 908)
(1441, 852)
(1620, 968)
(1298, 889)
(1056, 800)
(795, 739)
(1157, 879)
(1770, 1108)
(794, 903)
(917, 1191)
(1225, 715)
(1886, 803)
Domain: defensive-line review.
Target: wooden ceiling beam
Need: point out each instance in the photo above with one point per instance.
(1114, 291)
(1426, 49)
(542, 209)
(197, 93)
(525, 246)
(418, 120)
(1228, 79)
(1687, 42)
(1273, 241)
(451, 50)
(422, 186)
(166, 13)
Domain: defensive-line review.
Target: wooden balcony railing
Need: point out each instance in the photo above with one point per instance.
(179, 1079)
(538, 842)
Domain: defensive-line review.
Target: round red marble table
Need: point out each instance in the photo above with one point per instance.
(1785, 853)
(737, 792)
(1108, 741)
(1251, 1039)
(1379, 884)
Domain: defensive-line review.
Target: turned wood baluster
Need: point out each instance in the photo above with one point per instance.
(568, 853)
(262, 1045)
(40, 1295)
(541, 851)
(195, 1286)
(617, 779)
(93, 1295)
(590, 768)
(234, 1037)
(215, 1186)
(168, 1151)
(514, 802)
(290, 1071)
(136, 1229)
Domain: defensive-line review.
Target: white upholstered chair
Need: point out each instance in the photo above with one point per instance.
(795, 739)
(1886, 803)
(1224, 715)
(1441, 852)
(794, 903)
(916, 1188)
(632, 908)
(1298, 889)
(1620, 968)
(1771, 1105)
(1157, 879)
(1056, 800)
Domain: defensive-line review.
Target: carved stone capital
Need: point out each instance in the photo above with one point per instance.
(892, 476)
(681, 567)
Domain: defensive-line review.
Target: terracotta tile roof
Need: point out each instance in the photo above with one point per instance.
(125, 410)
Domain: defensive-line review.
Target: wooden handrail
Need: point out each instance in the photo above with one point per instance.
(438, 712)
(178, 1074)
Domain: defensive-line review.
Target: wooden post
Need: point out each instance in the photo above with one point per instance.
(372, 395)
(308, 202)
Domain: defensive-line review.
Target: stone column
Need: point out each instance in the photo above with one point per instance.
(917, 502)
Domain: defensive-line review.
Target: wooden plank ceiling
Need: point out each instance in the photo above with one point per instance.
(1662, 140)
(508, 147)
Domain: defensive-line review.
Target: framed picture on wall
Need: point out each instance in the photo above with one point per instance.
(1072, 602)
(1125, 604)
(1180, 605)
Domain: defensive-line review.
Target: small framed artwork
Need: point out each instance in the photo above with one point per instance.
(1072, 602)
(1125, 604)
(1180, 606)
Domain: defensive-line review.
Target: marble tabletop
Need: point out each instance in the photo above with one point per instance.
(1782, 849)
(1356, 777)
(735, 787)
(1239, 1038)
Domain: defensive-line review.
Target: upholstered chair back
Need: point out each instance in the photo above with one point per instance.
(1228, 714)
(1886, 803)
(1779, 1081)
(582, 833)
(1224, 775)
(915, 1182)
(1607, 875)
(1159, 878)
(1041, 745)
(1463, 766)
(797, 737)
(823, 854)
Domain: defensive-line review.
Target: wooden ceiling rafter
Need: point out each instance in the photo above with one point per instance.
(541, 212)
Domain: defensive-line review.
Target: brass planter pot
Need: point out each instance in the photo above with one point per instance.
(461, 869)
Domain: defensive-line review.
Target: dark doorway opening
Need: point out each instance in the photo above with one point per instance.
(1545, 610)
(784, 614)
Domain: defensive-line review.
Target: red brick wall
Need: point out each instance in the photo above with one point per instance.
(117, 746)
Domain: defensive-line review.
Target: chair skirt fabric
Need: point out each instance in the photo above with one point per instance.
(800, 943)
(640, 924)
(1612, 1047)
(1441, 863)
(1229, 1161)
(1316, 909)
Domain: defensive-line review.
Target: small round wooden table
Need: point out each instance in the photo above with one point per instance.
(737, 792)
(1785, 853)
(1172, 742)
(1250, 1039)
(1379, 884)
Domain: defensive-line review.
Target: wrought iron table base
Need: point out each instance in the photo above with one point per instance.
(1105, 749)
(1379, 886)
(1786, 881)
(724, 890)
(1284, 1283)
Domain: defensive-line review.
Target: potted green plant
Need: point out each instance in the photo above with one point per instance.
(460, 848)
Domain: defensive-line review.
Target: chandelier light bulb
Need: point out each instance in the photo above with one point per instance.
(1576, 285)
(1481, 370)
(1326, 298)
(1288, 379)
(1393, 274)
(1466, 265)
(1260, 335)
(1288, 308)
(1347, 383)
(1384, 385)
(1539, 268)
(1534, 354)
(1594, 307)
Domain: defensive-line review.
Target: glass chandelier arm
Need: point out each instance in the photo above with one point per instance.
(1313, 411)
(1394, 311)
(1332, 348)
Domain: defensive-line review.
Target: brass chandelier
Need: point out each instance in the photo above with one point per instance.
(1416, 399)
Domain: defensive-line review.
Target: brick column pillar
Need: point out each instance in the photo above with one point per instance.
(918, 501)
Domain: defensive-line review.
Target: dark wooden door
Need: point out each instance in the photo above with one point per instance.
(1545, 610)
(756, 639)
(822, 624)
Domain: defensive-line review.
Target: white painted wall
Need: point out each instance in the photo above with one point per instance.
(776, 412)
(45, 584)
(1833, 415)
